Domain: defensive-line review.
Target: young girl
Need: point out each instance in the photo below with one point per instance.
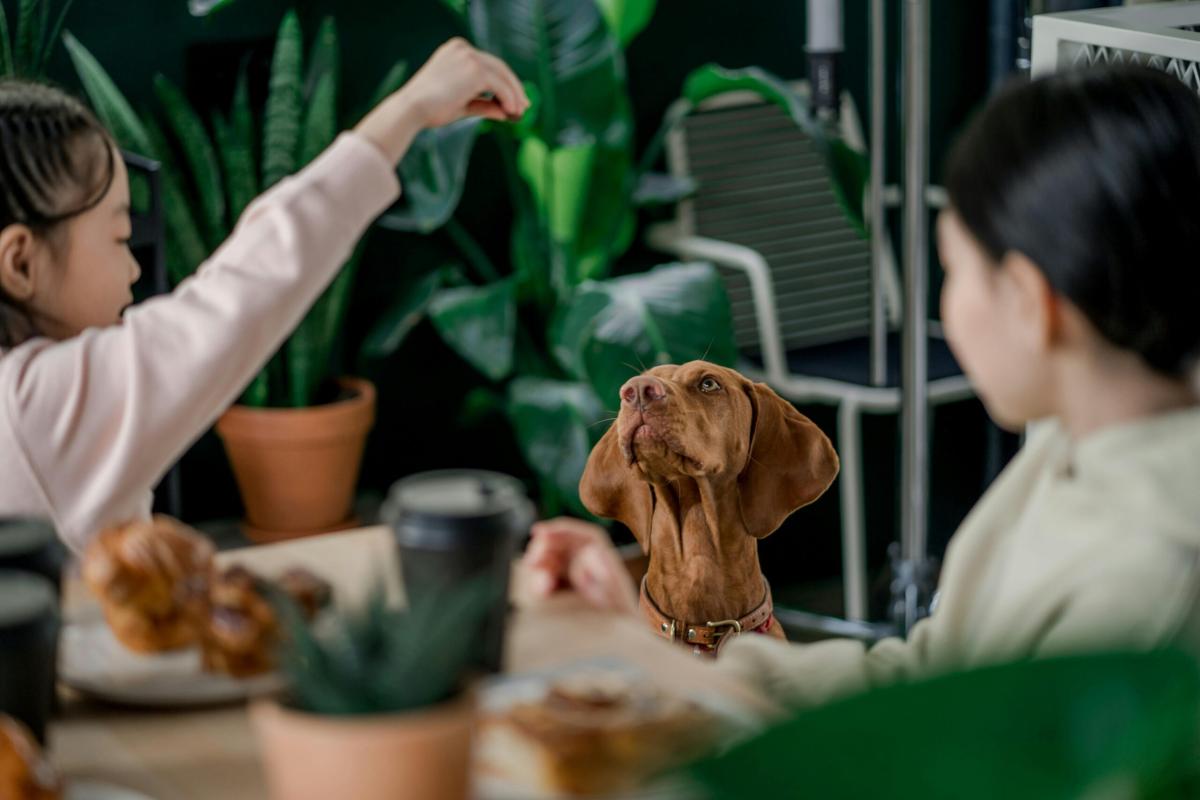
(1071, 294)
(97, 401)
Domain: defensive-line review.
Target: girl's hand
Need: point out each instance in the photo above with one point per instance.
(570, 554)
(457, 81)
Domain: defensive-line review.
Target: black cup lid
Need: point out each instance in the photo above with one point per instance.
(21, 535)
(454, 494)
(24, 598)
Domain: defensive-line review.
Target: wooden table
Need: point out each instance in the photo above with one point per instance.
(212, 753)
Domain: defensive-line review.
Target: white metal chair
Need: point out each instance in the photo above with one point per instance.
(799, 280)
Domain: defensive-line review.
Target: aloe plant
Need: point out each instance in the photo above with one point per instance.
(547, 327)
(214, 167)
(381, 659)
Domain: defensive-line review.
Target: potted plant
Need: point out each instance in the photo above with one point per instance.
(377, 706)
(296, 438)
(550, 328)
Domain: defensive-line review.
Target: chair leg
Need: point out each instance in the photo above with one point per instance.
(850, 482)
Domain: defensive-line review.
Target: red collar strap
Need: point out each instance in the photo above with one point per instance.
(706, 638)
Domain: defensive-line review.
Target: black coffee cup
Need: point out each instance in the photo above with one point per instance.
(457, 529)
(29, 625)
(32, 545)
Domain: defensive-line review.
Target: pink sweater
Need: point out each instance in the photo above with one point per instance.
(89, 425)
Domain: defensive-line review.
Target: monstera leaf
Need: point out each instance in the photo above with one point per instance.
(556, 425)
(612, 330)
(479, 323)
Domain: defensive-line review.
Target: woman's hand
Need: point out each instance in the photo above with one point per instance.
(457, 81)
(570, 554)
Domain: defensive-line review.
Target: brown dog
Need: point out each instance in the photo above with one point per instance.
(700, 464)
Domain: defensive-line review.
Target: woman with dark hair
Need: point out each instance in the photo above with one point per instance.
(1071, 295)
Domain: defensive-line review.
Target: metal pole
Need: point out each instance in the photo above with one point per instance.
(915, 417)
(878, 219)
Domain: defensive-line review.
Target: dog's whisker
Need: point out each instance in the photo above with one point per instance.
(632, 368)
(711, 342)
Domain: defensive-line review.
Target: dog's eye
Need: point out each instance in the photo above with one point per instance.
(709, 385)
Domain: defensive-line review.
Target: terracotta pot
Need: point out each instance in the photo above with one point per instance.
(420, 754)
(297, 467)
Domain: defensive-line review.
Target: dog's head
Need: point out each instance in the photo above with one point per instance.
(707, 423)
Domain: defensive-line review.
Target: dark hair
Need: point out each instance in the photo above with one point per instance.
(47, 172)
(1094, 175)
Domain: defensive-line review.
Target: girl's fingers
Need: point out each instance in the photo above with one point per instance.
(501, 88)
(488, 109)
(504, 74)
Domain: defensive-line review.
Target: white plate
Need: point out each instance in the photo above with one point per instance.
(92, 661)
(93, 790)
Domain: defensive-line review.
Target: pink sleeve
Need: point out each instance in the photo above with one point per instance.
(103, 415)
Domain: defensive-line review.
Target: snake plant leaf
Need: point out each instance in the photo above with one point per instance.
(627, 18)
(311, 346)
(186, 249)
(567, 50)
(237, 163)
(392, 80)
(30, 24)
(612, 330)
(200, 157)
(1104, 725)
(479, 323)
(402, 316)
(107, 100)
(320, 119)
(285, 104)
(324, 58)
(8, 67)
(43, 56)
(433, 173)
(557, 423)
(848, 169)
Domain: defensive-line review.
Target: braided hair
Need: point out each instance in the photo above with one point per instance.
(48, 171)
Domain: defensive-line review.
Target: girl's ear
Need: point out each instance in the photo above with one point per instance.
(1038, 305)
(18, 268)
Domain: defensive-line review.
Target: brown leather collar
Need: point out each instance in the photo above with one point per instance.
(708, 637)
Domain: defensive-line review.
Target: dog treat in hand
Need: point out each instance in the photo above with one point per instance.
(592, 734)
(24, 772)
(239, 627)
(145, 574)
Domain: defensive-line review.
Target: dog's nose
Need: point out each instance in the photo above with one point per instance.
(643, 390)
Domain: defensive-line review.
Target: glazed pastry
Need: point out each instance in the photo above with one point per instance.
(239, 626)
(24, 772)
(145, 574)
(593, 734)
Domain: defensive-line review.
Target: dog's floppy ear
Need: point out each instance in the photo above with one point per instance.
(610, 488)
(791, 462)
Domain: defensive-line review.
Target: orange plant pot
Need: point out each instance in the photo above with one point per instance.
(419, 754)
(297, 467)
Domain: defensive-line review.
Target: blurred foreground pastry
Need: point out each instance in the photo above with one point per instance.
(592, 734)
(239, 625)
(145, 573)
(24, 772)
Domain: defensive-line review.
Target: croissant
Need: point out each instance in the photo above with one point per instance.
(24, 772)
(146, 575)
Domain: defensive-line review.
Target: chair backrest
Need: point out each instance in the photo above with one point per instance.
(762, 184)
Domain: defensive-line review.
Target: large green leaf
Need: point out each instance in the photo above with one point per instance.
(479, 323)
(563, 47)
(200, 156)
(1095, 726)
(402, 316)
(202, 8)
(556, 427)
(848, 169)
(432, 175)
(30, 16)
(627, 18)
(107, 100)
(612, 330)
(285, 104)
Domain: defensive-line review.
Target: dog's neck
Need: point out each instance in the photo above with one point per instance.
(703, 564)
